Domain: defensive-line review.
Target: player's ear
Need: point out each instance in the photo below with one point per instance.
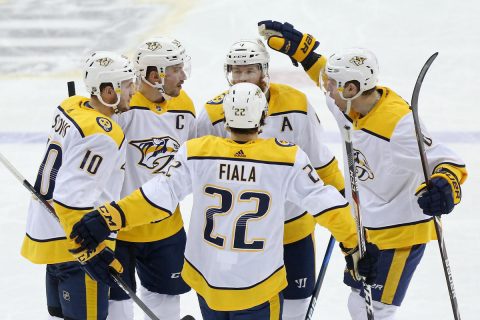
(350, 89)
(152, 75)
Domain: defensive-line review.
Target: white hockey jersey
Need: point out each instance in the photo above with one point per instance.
(234, 252)
(154, 132)
(389, 170)
(290, 118)
(81, 169)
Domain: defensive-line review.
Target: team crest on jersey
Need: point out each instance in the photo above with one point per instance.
(284, 143)
(105, 124)
(104, 62)
(152, 46)
(218, 99)
(358, 61)
(363, 169)
(156, 152)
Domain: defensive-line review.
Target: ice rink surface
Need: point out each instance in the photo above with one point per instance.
(42, 42)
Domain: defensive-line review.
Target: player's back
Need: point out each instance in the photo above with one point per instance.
(239, 191)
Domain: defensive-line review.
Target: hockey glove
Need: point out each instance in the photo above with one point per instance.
(442, 194)
(98, 264)
(365, 268)
(283, 37)
(95, 226)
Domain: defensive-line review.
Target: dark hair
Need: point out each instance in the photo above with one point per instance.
(357, 85)
(150, 69)
(104, 85)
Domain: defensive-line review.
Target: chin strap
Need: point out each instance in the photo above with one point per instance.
(114, 106)
(159, 87)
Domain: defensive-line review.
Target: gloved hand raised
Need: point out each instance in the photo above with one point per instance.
(364, 268)
(95, 226)
(442, 194)
(283, 37)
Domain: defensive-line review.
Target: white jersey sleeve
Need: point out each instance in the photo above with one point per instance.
(406, 154)
(205, 126)
(168, 189)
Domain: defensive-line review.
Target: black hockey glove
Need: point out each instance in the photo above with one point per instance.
(95, 226)
(364, 268)
(441, 196)
(101, 265)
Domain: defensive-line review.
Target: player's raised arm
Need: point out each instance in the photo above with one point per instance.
(284, 38)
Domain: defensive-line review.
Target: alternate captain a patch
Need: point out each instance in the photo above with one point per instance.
(156, 152)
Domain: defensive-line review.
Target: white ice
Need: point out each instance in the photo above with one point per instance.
(41, 43)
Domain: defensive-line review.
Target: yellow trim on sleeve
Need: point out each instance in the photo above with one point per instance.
(230, 299)
(298, 229)
(394, 274)
(275, 307)
(331, 175)
(154, 231)
(403, 235)
(138, 210)
(314, 71)
(341, 224)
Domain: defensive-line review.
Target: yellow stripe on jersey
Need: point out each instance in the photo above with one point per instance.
(284, 98)
(384, 116)
(298, 228)
(331, 175)
(139, 210)
(394, 274)
(314, 71)
(261, 150)
(229, 299)
(339, 221)
(91, 297)
(402, 235)
(89, 121)
(214, 108)
(180, 103)
(154, 231)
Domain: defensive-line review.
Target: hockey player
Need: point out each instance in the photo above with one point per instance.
(290, 118)
(81, 168)
(388, 162)
(160, 119)
(233, 256)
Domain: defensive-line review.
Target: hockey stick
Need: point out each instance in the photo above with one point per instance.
(115, 275)
(50, 210)
(423, 158)
(321, 275)
(367, 289)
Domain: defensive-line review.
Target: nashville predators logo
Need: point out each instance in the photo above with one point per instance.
(104, 62)
(104, 123)
(152, 46)
(156, 152)
(284, 143)
(358, 61)
(363, 169)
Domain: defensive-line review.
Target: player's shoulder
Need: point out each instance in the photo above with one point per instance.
(214, 108)
(286, 99)
(181, 104)
(89, 122)
(260, 150)
(391, 109)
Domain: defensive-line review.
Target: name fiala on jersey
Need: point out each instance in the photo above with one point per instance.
(236, 172)
(156, 152)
